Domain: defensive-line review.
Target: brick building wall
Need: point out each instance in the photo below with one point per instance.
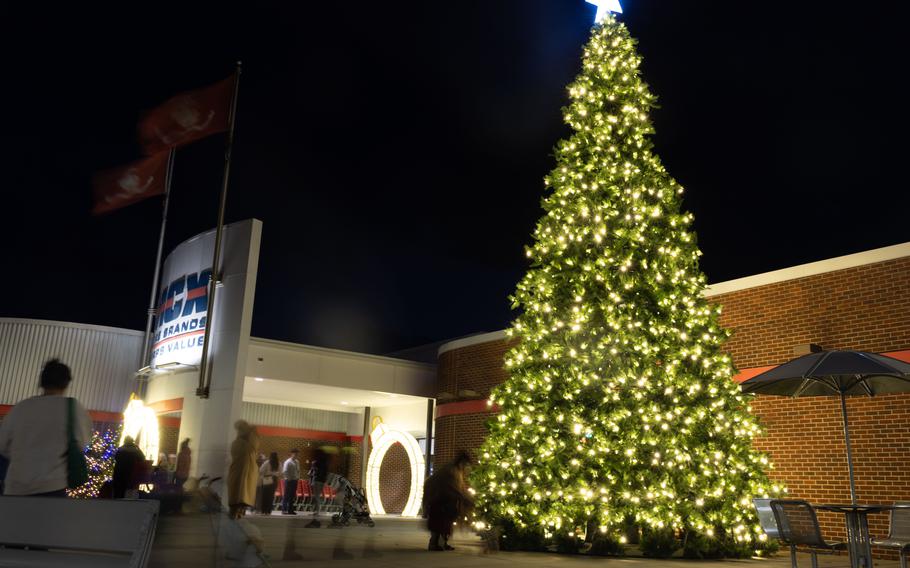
(167, 438)
(805, 439)
(865, 308)
(460, 432)
(355, 461)
(476, 368)
(395, 479)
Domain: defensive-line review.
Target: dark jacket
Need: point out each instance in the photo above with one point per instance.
(319, 470)
(129, 469)
(445, 498)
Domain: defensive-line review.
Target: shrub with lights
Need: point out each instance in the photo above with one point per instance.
(620, 408)
(99, 457)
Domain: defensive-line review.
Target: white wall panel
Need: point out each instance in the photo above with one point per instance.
(320, 366)
(103, 360)
(411, 418)
(295, 417)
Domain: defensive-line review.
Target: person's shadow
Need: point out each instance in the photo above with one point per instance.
(369, 547)
(340, 552)
(290, 540)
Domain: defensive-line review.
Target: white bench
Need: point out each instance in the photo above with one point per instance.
(76, 533)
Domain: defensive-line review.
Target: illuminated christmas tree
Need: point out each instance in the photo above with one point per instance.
(99, 456)
(620, 405)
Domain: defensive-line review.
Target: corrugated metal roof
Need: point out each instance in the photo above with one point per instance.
(103, 360)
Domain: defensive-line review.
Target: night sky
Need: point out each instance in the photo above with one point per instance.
(395, 151)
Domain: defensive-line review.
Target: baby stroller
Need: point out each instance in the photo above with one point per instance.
(238, 540)
(354, 506)
(203, 495)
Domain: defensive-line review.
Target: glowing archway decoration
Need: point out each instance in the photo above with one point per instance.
(382, 439)
(141, 423)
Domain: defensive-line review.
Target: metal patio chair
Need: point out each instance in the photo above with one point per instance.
(798, 526)
(898, 533)
(766, 517)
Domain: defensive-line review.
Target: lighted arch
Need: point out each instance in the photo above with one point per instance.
(382, 439)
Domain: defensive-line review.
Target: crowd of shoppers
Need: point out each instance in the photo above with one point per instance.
(36, 435)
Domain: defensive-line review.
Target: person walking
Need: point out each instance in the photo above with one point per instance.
(243, 473)
(184, 460)
(269, 473)
(445, 498)
(319, 472)
(129, 469)
(34, 436)
(290, 471)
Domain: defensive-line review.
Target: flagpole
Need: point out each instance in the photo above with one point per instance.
(153, 306)
(205, 370)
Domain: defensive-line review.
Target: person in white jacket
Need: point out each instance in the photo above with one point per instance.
(34, 438)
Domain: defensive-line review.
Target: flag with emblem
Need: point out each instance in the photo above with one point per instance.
(187, 117)
(129, 184)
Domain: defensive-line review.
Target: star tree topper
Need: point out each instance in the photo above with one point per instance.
(604, 7)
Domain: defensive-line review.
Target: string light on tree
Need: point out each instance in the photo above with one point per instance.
(99, 457)
(620, 402)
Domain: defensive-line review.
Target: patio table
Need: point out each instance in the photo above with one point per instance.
(856, 517)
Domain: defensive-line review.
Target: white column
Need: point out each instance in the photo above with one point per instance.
(230, 339)
(209, 423)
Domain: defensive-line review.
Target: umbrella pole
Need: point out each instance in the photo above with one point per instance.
(843, 408)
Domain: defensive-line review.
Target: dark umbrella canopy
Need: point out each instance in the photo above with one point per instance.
(833, 372)
(842, 373)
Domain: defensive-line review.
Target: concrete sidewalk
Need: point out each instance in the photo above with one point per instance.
(189, 542)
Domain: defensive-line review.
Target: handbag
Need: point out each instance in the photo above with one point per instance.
(76, 466)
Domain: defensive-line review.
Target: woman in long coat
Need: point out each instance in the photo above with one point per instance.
(184, 459)
(445, 498)
(243, 473)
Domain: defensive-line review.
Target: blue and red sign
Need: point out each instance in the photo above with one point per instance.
(182, 310)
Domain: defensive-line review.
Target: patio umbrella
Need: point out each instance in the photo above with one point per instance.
(842, 373)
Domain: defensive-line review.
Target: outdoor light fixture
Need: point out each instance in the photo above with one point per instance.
(141, 424)
(383, 438)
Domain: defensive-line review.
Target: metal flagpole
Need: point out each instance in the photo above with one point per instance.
(428, 451)
(153, 301)
(843, 407)
(205, 371)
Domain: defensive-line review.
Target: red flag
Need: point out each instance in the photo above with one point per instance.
(129, 184)
(187, 117)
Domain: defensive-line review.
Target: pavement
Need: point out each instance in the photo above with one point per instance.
(189, 541)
